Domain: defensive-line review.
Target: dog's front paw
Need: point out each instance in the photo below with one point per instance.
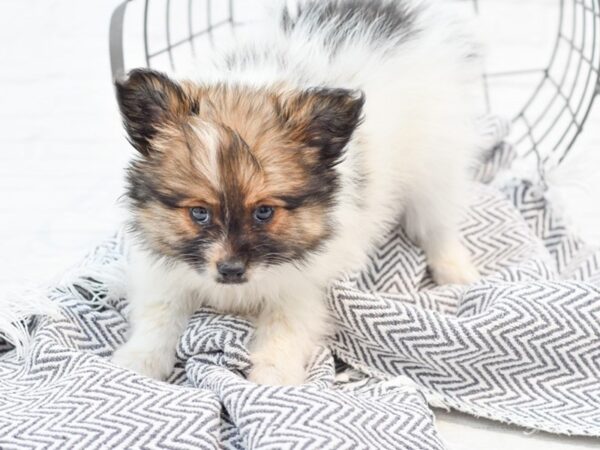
(277, 373)
(454, 268)
(153, 364)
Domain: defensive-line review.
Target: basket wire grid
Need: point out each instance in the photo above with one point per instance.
(545, 125)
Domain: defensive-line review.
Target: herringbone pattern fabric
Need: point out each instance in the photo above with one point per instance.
(521, 346)
(67, 395)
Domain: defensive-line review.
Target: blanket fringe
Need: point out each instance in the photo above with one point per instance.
(17, 307)
(99, 280)
(96, 282)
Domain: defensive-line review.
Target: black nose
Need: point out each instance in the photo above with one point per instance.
(231, 271)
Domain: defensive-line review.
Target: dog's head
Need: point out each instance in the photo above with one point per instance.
(231, 178)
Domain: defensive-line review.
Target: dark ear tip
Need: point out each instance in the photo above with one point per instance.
(140, 76)
(358, 99)
(128, 77)
(353, 98)
(353, 101)
(359, 96)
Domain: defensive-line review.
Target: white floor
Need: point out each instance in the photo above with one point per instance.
(62, 154)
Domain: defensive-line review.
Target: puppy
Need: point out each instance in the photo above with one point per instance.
(282, 168)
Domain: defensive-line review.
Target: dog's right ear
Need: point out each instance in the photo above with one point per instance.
(149, 100)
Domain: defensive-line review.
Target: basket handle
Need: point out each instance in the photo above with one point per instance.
(117, 60)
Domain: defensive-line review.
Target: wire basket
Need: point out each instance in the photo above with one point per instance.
(173, 35)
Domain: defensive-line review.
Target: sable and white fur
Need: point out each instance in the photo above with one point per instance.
(407, 161)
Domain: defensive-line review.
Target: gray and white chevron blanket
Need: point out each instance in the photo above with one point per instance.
(521, 346)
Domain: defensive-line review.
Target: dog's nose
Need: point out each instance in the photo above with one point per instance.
(231, 271)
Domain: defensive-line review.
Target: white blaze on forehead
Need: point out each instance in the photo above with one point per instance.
(208, 135)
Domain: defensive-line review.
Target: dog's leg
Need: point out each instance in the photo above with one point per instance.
(285, 338)
(155, 330)
(160, 311)
(431, 223)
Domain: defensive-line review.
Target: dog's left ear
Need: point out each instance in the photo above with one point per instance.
(324, 118)
(149, 100)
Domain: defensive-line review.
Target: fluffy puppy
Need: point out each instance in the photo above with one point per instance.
(261, 182)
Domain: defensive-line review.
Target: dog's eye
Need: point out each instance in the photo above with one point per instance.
(200, 215)
(263, 213)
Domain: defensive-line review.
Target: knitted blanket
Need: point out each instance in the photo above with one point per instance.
(521, 346)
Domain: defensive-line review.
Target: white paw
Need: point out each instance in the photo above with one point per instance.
(273, 373)
(454, 268)
(150, 363)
